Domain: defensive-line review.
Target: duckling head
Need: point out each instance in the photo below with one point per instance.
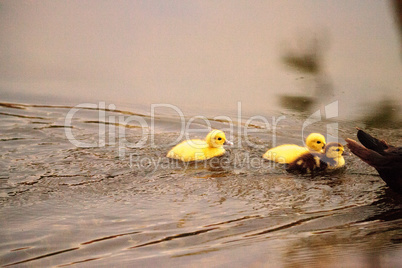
(316, 142)
(216, 138)
(334, 150)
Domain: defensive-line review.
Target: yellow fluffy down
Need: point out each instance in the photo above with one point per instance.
(285, 154)
(288, 153)
(194, 150)
(197, 150)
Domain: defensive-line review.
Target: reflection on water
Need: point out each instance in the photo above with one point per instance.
(397, 6)
(307, 58)
(204, 56)
(384, 114)
(297, 103)
(63, 205)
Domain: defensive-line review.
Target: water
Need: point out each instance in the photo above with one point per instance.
(116, 205)
(202, 55)
(72, 197)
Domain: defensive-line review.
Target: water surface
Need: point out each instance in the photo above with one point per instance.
(63, 205)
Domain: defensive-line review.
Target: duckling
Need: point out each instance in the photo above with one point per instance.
(288, 153)
(385, 158)
(197, 150)
(312, 162)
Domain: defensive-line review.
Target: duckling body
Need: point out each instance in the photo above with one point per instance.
(198, 150)
(288, 153)
(312, 162)
(385, 158)
(194, 150)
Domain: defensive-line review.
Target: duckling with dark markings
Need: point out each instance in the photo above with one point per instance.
(385, 158)
(312, 162)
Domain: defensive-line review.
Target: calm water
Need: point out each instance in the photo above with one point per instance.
(98, 191)
(119, 205)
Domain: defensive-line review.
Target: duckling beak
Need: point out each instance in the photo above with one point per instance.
(323, 146)
(345, 153)
(228, 143)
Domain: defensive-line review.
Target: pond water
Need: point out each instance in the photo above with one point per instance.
(93, 96)
(120, 204)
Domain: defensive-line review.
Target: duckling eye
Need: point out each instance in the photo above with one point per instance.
(318, 142)
(337, 150)
(219, 138)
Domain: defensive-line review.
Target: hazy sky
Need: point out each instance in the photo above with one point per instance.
(195, 53)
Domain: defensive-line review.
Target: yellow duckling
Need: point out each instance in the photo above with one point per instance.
(288, 153)
(196, 150)
(311, 162)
